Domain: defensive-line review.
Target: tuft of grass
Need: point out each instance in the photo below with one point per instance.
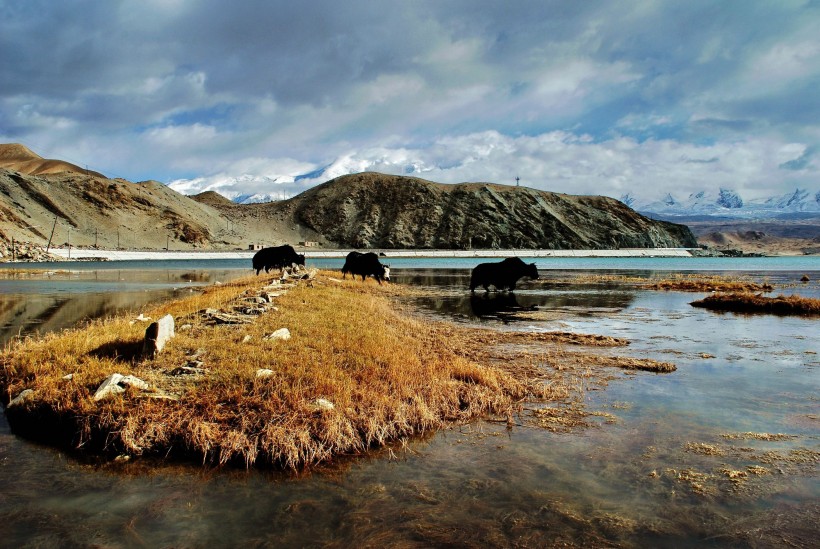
(708, 283)
(747, 302)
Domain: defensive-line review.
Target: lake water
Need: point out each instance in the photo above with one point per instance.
(675, 460)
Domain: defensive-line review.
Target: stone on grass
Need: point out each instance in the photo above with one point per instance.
(157, 335)
(281, 333)
(26, 394)
(323, 404)
(117, 383)
(264, 372)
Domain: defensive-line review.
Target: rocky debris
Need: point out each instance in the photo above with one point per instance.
(25, 252)
(264, 372)
(226, 318)
(193, 368)
(118, 383)
(282, 334)
(249, 306)
(23, 397)
(157, 335)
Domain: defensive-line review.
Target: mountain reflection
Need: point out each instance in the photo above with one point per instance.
(22, 315)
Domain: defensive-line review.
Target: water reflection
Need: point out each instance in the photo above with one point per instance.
(633, 481)
(42, 302)
(448, 295)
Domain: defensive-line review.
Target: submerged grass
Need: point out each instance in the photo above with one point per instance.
(748, 302)
(388, 376)
(676, 282)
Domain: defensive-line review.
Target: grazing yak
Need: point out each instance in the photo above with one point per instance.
(277, 257)
(365, 265)
(503, 274)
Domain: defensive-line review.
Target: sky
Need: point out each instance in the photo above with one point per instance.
(592, 97)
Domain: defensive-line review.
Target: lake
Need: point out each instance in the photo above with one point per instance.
(722, 452)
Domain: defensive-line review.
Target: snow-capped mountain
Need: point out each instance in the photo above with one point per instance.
(727, 203)
(244, 189)
(247, 189)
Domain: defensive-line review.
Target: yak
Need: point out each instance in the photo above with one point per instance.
(502, 275)
(277, 257)
(358, 263)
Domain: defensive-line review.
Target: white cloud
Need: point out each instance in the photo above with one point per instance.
(592, 97)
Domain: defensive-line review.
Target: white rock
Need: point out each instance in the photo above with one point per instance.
(116, 383)
(157, 335)
(68, 377)
(246, 338)
(24, 395)
(323, 404)
(281, 333)
(264, 372)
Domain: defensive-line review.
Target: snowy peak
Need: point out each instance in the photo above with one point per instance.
(727, 202)
(729, 199)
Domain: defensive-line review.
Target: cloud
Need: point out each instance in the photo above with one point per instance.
(595, 96)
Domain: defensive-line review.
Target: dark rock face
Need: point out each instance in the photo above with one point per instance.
(372, 210)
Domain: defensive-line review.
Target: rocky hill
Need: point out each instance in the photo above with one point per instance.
(369, 210)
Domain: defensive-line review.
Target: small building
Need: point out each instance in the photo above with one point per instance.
(309, 244)
(255, 247)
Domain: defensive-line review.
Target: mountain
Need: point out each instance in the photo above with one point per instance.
(372, 210)
(727, 203)
(780, 224)
(42, 200)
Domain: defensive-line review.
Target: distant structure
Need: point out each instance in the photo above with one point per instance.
(255, 247)
(517, 179)
(309, 244)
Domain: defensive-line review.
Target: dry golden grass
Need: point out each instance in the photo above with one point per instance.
(755, 303)
(708, 283)
(676, 282)
(387, 375)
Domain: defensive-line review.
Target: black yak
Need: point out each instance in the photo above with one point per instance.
(277, 257)
(365, 265)
(503, 274)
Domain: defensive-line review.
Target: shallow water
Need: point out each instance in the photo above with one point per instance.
(640, 476)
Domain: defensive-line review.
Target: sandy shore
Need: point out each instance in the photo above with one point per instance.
(125, 255)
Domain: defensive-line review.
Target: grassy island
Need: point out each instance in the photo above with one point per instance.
(747, 302)
(355, 372)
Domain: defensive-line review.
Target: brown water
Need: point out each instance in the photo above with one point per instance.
(654, 470)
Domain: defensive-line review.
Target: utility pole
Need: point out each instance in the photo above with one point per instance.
(52, 234)
(118, 238)
(69, 242)
(167, 241)
(96, 231)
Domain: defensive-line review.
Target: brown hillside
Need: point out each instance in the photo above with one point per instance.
(17, 157)
(361, 210)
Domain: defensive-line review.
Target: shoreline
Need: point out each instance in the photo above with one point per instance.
(134, 255)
